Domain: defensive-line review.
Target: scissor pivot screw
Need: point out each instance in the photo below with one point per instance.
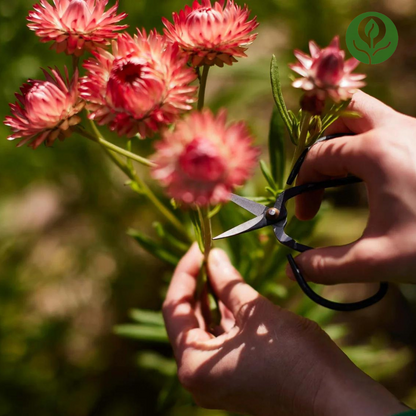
(272, 214)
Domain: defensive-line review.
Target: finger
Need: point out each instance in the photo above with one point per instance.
(335, 158)
(178, 308)
(227, 282)
(373, 113)
(352, 263)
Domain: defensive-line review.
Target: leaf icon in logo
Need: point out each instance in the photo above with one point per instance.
(372, 30)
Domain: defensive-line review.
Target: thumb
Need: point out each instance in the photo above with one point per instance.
(352, 263)
(374, 113)
(227, 283)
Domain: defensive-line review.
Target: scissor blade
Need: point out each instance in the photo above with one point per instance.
(250, 206)
(253, 224)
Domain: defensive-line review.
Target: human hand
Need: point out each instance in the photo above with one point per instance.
(267, 361)
(383, 154)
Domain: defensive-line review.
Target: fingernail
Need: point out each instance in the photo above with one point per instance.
(289, 273)
(218, 257)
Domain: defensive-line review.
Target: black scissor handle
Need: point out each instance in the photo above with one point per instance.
(299, 162)
(309, 187)
(336, 306)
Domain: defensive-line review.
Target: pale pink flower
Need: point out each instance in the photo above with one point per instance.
(203, 159)
(75, 25)
(212, 34)
(140, 87)
(326, 73)
(47, 110)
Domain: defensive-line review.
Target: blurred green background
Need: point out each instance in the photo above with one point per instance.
(69, 273)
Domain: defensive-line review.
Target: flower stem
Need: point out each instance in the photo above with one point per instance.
(99, 139)
(202, 87)
(141, 186)
(306, 118)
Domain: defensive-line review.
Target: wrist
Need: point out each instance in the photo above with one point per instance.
(353, 393)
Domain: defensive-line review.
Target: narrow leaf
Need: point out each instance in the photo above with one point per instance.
(277, 148)
(215, 211)
(142, 332)
(277, 94)
(197, 228)
(154, 247)
(172, 241)
(267, 174)
(147, 317)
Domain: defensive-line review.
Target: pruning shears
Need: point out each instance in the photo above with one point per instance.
(276, 217)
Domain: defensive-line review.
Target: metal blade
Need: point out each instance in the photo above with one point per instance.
(253, 224)
(250, 206)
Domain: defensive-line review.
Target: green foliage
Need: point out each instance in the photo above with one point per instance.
(277, 148)
(153, 247)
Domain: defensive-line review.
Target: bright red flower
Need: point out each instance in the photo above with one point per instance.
(203, 159)
(75, 25)
(142, 86)
(47, 110)
(212, 34)
(326, 73)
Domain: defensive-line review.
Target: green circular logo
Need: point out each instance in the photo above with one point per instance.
(372, 38)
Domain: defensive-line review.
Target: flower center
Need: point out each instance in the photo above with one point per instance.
(201, 161)
(330, 68)
(128, 72)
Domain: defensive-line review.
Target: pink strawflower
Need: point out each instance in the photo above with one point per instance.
(212, 34)
(47, 110)
(203, 159)
(326, 73)
(75, 25)
(139, 88)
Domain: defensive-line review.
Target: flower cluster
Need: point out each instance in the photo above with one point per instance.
(203, 159)
(75, 25)
(145, 83)
(139, 87)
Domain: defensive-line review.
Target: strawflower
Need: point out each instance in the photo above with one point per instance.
(46, 111)
(212, 34)
(75, 25)
(326, 73)
(140, 87)
(203, 159)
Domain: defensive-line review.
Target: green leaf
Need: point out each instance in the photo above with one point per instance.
(277, 148)
(197, 228)
(350, 114)
(371, 29)
(172, 241)
(154, 247)
(267, 174)
(147, 317)
(150, 360)
(277, 94)
(214, 211)
(142, 332)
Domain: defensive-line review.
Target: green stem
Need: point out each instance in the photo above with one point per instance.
(206, 230)
(202, 87)
(142, 188)
(306, 118)
(99, 139)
